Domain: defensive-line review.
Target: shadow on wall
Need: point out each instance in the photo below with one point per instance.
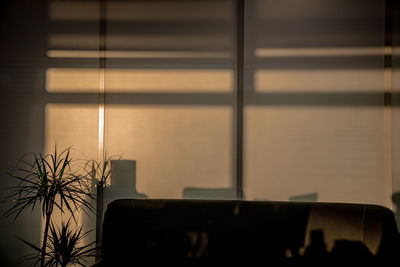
(123, 181)
(228, 193)
(310, 197)
(123, 185)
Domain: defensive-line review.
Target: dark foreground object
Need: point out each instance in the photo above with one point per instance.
(210, 233)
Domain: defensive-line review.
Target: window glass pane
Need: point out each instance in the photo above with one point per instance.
(177, 148)
(170, 96)
(314, 109)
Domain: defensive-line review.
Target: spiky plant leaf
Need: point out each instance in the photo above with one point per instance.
(66, 246)
(99, 171)
(48, 181)
(33, 258)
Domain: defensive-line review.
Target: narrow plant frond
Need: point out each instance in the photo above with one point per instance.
(21, 160)
(19, 207)
(69, 208)
(44, 179)
(64, 245)
(29, 244)
(48, 181)
(100, 170)
(21, 179)
(34, 258)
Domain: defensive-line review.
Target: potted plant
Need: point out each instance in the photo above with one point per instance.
(65, 246)
(48, 181)
(99, 173)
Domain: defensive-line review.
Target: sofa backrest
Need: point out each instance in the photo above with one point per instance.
(201, 232)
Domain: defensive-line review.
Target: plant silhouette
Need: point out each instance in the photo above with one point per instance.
(47, 181)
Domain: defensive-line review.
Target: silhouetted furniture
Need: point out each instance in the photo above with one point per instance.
(204, 233)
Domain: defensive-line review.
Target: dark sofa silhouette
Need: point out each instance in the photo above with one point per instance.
(210, 233)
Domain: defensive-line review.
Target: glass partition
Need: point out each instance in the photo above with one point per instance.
(314, 101)
(170, 95)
